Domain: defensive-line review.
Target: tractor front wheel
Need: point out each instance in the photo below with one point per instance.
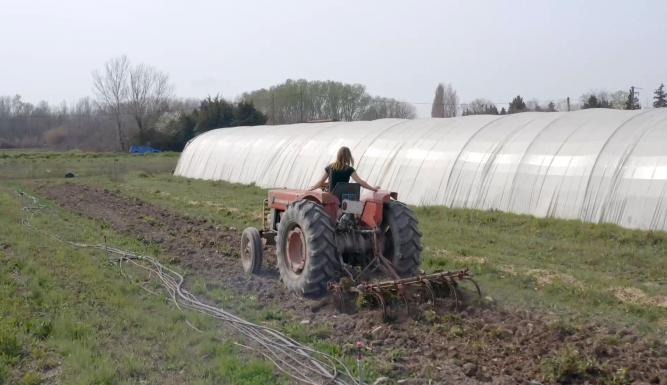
(306, 249)
(251, 250)
(402, 239)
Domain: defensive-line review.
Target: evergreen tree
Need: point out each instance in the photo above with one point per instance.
(212, 113)
(660, 97)
(245, 114)
(633, 101)
(592, 102)
(595, 101)
(502, 111)
(517, 105)
(551, 107)
(445, 102)
(438, 108)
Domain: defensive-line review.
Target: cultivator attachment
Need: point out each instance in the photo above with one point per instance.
(428, 286)
(433, 288)
(358, 290)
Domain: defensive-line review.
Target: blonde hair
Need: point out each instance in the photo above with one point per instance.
(343, 159)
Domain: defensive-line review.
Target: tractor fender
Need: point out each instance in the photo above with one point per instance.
(279, 199)
(327, 201)
(374, 205)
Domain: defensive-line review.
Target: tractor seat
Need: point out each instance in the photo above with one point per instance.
(349, 191)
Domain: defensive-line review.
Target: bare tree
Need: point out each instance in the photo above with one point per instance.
(438, 108)
(379, 107)
(149, 92)
(480, 106)
(111, 90)
(565, 105)
(302, 100)
(533, 105)
(618, 98)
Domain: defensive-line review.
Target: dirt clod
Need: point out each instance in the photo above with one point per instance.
(469, 369)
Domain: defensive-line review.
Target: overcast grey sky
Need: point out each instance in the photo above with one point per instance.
(402, 49)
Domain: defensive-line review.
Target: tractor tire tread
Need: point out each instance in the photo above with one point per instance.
(322, 266)
(252, 235)
(408, 259)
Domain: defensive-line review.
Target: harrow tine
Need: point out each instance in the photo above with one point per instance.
(429, 288)
(382, 303)
(479, 291)
(452, 291)
(401, 294)
(338, 300)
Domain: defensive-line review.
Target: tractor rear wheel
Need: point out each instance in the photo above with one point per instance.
(306, 249)
(402, 239)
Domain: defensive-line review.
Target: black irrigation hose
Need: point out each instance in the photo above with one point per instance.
(299, 362)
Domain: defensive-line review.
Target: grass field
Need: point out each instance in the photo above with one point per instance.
(576, 270)
(15, 164)
(67, 317)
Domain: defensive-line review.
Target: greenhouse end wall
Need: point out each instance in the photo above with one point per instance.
(597, 165)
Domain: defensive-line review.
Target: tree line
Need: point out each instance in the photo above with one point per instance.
(446, 104)
(296, 101)
(135, 104)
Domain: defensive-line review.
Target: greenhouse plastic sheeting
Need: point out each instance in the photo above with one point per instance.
(597, 165)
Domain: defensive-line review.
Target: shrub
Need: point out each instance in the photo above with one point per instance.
(56, 137)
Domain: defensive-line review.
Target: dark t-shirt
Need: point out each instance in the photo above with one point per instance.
(338, 176)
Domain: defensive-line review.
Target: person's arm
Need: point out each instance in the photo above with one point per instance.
(320, 182)
(363, 183)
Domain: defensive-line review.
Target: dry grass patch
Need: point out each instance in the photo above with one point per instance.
(636, 296)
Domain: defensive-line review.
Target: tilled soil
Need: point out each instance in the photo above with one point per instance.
(476, 344)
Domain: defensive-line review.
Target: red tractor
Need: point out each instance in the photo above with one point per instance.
(321, 237)
(318, 233)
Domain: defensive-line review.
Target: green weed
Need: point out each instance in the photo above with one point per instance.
(569, 366)
(31, 378)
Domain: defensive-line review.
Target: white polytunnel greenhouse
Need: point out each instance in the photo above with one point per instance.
(596, 165)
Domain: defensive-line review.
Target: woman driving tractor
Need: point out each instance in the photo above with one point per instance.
(340, 171)
(317, 236)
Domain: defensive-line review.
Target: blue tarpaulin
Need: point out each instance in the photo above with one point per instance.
(142, 149)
